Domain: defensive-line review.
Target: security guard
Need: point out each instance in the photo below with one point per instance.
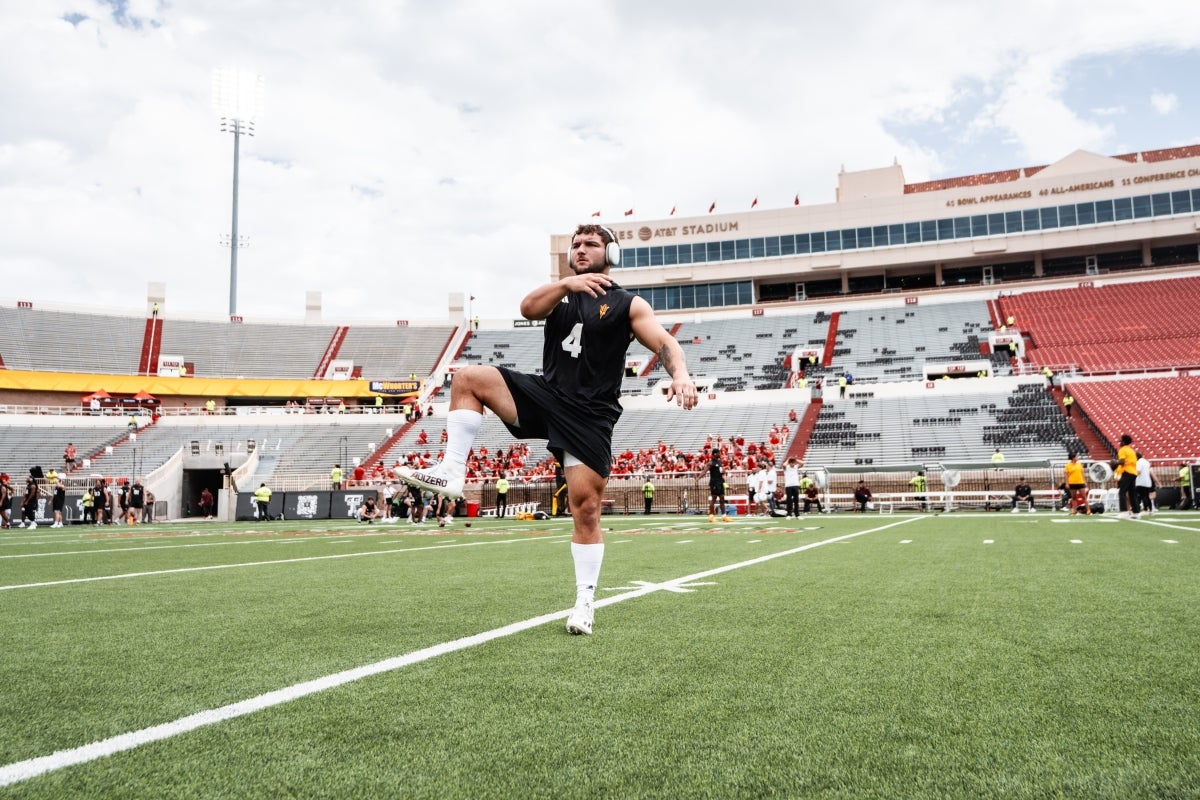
(262, 496)
(648, 493)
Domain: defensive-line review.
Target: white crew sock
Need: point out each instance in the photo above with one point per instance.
(588, 558)
(462, 424)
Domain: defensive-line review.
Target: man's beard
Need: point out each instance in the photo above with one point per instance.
(588, 268)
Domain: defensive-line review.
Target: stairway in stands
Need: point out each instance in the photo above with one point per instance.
(151, 347)
(1098, 450)
(804, 431)
(831, 339)
(331, 352)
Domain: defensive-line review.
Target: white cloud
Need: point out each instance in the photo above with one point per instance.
(411, 150)
(1164, 102)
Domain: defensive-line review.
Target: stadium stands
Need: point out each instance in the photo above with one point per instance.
(1024, 423)
(1111, 328)
(33, 339)
(1162, 414)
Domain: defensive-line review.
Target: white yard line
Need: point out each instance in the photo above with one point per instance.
(267, 563)
(31, 768)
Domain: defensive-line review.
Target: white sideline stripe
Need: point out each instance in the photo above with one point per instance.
(393, 551)
(1163, 524)
(102, 550)
(31, 768)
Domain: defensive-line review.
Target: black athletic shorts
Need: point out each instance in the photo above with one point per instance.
(544, 414)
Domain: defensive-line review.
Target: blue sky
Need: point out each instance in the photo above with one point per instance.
(409, 150)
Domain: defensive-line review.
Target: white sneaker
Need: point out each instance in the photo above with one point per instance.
(580, 621)
(1016, 510)
(1032, 510)
(20, 524)
(441, 479)
(32, 525)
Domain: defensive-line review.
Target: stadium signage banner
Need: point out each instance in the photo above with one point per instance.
(339, 370)
(169, 366)
(395, 387)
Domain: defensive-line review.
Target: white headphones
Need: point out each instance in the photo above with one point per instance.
(612, 250)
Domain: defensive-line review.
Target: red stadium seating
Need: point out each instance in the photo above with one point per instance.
(1161, 414)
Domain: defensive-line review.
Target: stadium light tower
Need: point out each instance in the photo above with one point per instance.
(237, 98)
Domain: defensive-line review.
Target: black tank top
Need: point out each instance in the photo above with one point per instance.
(583, 356)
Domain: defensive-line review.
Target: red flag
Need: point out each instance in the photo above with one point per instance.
(714, 205)
(797, 201)
(672, 211)
(629, 213)
(752, 205)
(595, 213)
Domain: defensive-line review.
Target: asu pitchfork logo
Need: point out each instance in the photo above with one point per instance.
(603, 310)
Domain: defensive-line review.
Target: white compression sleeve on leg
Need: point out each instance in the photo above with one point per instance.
(588, 558)
(462, 424)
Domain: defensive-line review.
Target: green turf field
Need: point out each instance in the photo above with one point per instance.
(848, 656)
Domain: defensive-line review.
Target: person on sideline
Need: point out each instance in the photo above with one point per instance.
(1145, 485)
(590, 322)
(862, 496)
(262, 496)
(1076, 485)
(791, 487)
(1126, 472)
(58, 503)
(501, 496)
(648, 494)
(716, 488)
(1022, 493)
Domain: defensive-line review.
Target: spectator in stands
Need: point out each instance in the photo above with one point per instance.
(360, 475)
(589, 324)
(1068, 401)
(716, 488)
(997, 458)
(862, 496)
(842, 386)
(335, 477)
(791, 487)
(1075, 483)
(69, 457)
(1125, 470)
(792, 416)
(6, 498)
(919, 485)
(206, 503)
(501, 496)
(262, 498)
(1049, 375)
(648, 494)
(29, 503)
(1145, 485)
(1022, 493)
